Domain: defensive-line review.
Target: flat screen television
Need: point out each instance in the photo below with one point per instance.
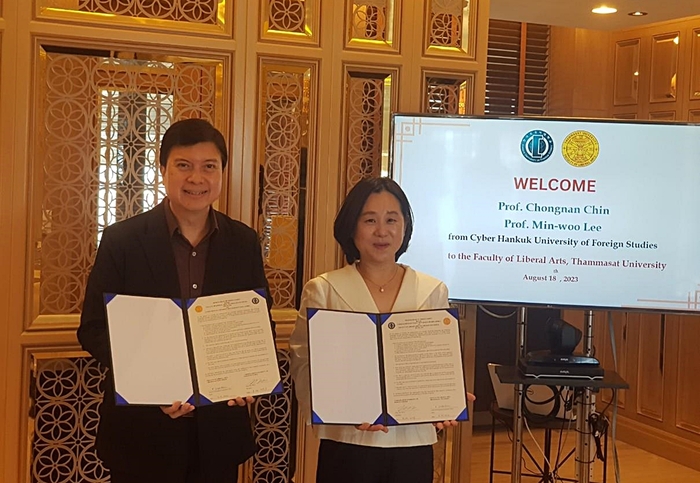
(554, 212)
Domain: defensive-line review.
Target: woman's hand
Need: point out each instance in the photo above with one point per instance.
(446, 424)
(372, 427)
(451, 423)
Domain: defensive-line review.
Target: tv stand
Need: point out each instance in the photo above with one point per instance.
(583, 402)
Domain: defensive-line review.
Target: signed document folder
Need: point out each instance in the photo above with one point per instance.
(204, 350)
(390, 369)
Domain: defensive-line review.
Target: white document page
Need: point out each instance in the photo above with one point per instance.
(234, 350)
(343, 359)
(149, 352)
(423, 367)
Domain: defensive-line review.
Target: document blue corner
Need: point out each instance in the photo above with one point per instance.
(315, 419)
(261, 292)
(120, 400)
(379, 420)
(310, 313)
(178, 302)
(108, 297)
(453, 312)
(191, 400)
(203, 401)
(463, 416)
(189, 302)
(383, 318)
(375, 320)
(279, 388)
(390, 421)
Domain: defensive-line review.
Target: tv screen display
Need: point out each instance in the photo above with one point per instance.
(554, 212)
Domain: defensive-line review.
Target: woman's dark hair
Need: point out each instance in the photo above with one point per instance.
(189, 132)
(346, 220)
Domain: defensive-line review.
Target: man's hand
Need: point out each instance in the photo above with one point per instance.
(177, 409)
(241, 401)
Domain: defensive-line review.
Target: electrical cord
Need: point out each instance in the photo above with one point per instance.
(495, 315)
(536, 443)
(599, 424)
(557, 399)
(523, 461)
(561, 444)
(541, 418)
(552, 469)
(599, 427)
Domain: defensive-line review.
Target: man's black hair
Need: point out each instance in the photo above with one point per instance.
(189, 132)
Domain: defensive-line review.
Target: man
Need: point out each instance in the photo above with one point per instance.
(180, 248)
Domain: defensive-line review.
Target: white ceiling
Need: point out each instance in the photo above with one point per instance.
(577, 13)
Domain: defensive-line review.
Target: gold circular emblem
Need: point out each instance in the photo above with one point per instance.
(198, 308)
(580, 149)
(446, 321)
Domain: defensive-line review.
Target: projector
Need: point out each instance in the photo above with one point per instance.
(543, 364)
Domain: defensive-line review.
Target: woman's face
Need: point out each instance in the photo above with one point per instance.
(380, 229)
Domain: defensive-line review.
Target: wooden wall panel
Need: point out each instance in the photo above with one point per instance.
(626, 78)
(650, 375)
(629, 117)
(664, 67)
(688, 362)
(604, 350)
(694, 91)
(580, 73)
(660, 414)
(662, 115)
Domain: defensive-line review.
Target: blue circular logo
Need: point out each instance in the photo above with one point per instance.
(537, 146)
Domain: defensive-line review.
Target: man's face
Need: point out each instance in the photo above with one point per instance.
(192, 178)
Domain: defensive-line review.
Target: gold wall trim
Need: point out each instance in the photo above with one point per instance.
(286, 147)
(437, 26)
(370, 95)
(284, 325)
(65, 394)
(97, 117)
(382, 21)
(274, 431)
(448, 92)
(68, 11)
(240, 42)
(290, 21)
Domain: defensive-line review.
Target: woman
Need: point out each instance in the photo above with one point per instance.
(373, 228)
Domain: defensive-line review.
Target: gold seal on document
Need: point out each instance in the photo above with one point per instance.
(580, 149)
(446, 321)
(198, 308)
